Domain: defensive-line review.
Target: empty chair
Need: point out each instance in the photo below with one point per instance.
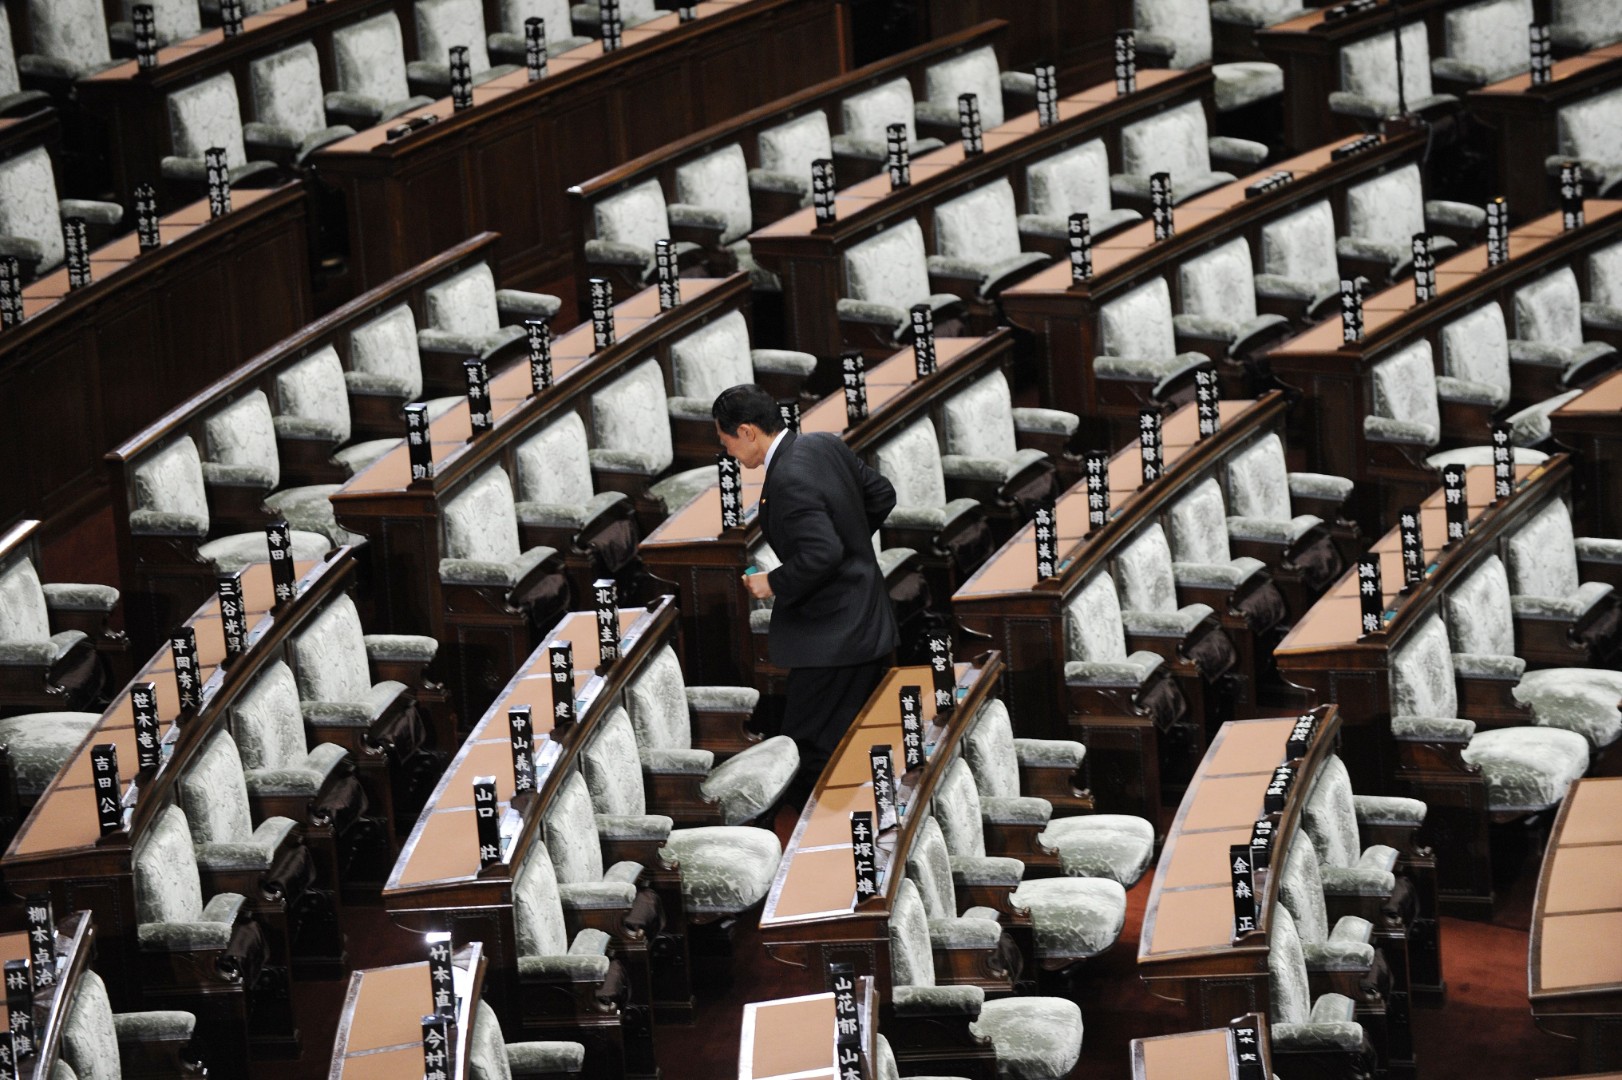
(1476, 361)
(911, 461)
(333, 658)
(39, 744)
(631, 444)
(980, 439)
(1177, 33)
(214, 794)
(481, 549)
(555, 493)
(171, 913)
(1484, 42)
(1549, 329)
(629, 223)
(1591, 135)
(1196, 531)
(312, 402)
(1383, 214)
(1368, 77)
(1147, 591)
(1075, 181)
(1580, 25)
(68, 40)
(370, 66)
(14, 100)
(1139, 342)
(1095, 644)
(93, 1036)
(711, 359)
(1176, 142)
(240, 453)
(385, 370)
(507, 44)
(1544, 558)
(267, 721)
(885, 276)
(468, 315)
(1299, 268)
(1407, 410)
(47, 657)
(289, 111)
(491, 1057)
(786, 153)
(973, 72)
(443, 25)
(546, 954)
(1345, 945)
(203, 116)
(1219, 302)
(713, 194)
(174, 20)
(977, 241)
(1262, 503)
(865, 116)
(1603, 309)
(31, 215)
(1333, 815)
(1301, 1024)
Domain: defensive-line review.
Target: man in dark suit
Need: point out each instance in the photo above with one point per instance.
(832, 625)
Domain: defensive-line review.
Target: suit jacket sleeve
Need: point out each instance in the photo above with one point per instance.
(878, 494)
(800, 509)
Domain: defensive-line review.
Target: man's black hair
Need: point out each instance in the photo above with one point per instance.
(746, 403)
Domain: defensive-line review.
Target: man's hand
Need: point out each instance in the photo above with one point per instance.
(759, 586)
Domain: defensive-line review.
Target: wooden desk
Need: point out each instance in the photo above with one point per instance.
(706, 560)
(1590, 426)
(1212, 1054)
(507, 162)
(793, 1038)
(1525, 123)
(380, 1028)
(98, 364)
(1077, 37)
(811, 258)
(1574, 966)
(73, 946)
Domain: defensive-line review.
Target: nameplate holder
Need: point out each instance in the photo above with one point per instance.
(1047, 94)
(487, 820)
(943, 672)
(1348, 9)
(686, 12)
(480, 413)
(1044, 519)
(148, 743)
(1262, 835)
(438, 1046)
(847, 1017)
(863, 854)
(147, 219)
(612, 25)
(606, 595)
(1571, 196)
(1126, 62)
(923, 339)
(1245, 1031)
(76, 252)
(1301, 736)
(1456, 501)
(1080, 239)
(1424, 268)
(1275, 181)
(521, 730)
(188, 680)
(1096, 465)
(789, 411)
(1208, 401)
(41, 939)
(1150, 446)
(535, 47)
(560, 662)
(144, 26)
(1351, 310)
(1160, 208)
(1370, 595)
(11, 292)
(233, 616)
(218, 176)
(897, 156)
(418, 448)
(882, 766)
(1503, 463)
(539, 333)
(824, 185)
(1413, 547)
(461, 70)
(730, 477)
(1277, 791)
(853, 373)
(441, 980)
(1360, 145)
(667, 273)
(231, 17)
(1541, 46)
(1243, 877)
(1497, 231)
(601, 292)
(968, 125)
(912, 727)
(20, 1006)
(104, 787)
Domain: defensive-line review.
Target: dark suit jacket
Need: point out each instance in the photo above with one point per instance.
(818, 511)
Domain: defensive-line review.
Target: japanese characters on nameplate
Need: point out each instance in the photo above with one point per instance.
(853, 372)
(535, 47)
(864, 853)
(968, 124)
(730, 475)
(441, 980)
(1150, 445)
(560, 661)
(1045, 522)
(438, 1046)
(1080, 237)
(1456, 501)
(897, 156)
(1413, 547)
(104, 787)
(1096, 465)
(487, 820)
(418, 448)
(1371, 597)
(539, 333)
(943, 672)
(480, 412)
(1126, 62)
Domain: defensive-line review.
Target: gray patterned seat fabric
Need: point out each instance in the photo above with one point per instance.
(14, 100)
(628, 224)
(714, 189)
(467, 313)
(554, 477)
(1406, 409)
(787, 151)
(175, 20)
(1481, 625)
(1580, 25)
(1095, 639)
(1330, 817)
(1176, 142)
(929, 866)
(588, 16)
(491, 1057)
(1196, 528)
(1035, 1038)
(289, 109)
(214, 795)
(1182, 30)
(885, 276)
(314, 404)
(480, 524)
(1604, 306)
(747, 784)
(31, 215)
(25, 615)
(1298, 255)
(68, 39)
(1148, 587)
(369, 59)
(725, 869)
(863, 118)
(169, 893)
(1113, 846)
(1475, 358)
(1261, 490)
(717, 356)
(332, 657)
(544, 948)
(972, 72)
(1218, 291)
(1543, 575)
(1383, 214)
(446, 24)
(269, 728)
(1590, 134)
(507, 44)
(1345, 946)
(978, 426)
(1255, 14)
(1075, 181)
(1549, 325)
(1527, 769)
(92, 1031)
(1072, 917)
(202, 116)
(1368, 75)
(240, 448)
(977, 236)
(384, 361)
(39, 744)
(630, 427)
(1299, 1022)
(170, 499)
(571, 832)
(911, 461)
(1485, 42)
(1139, 342)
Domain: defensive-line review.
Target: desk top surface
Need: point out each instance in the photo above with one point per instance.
(1603, 398)
(379, 1033)
(793, 1038)
(1197, 1055)
(1576, 939)
(1571, 66)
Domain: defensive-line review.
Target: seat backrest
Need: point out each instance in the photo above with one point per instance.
(286, 88)
(1221, 283)
(889, 268)
(329, 654)
(1138, 326)
(1422, 673)
(792, 146)
(480, 522)
(656, 700)
(1301, 889)
(267, 721)
(979, 419)
(866, 115)
(1605, 276)
(243, 434)
(613, 767)
(1476, 347)
(313, 389)
(1329, 815)
(719, 181)
(632, 413)
(388, 346)
(1073, 182)
(1092, 622)
(989, 750)
(487, 1046)
(1389, 209)
(206, 115)
(167, 886)
(1174, 142)
(175, 20)
(980, 227)
(1596, 22)
(956, 806)
(443, 25)
(1549, 310)
(466, 303)
(1479, 617)
(171, 482)
(1490, 35)
(1591, 129)
(23, 614)
(214, 793)
(1405, 386)
(1301, 246)
(28, 206)
(712, 358)
(369, 59)
(911, 461)
(1289, 996)
(89, 1041)
(1369, 67)
(1196, 525)
(553, 13)
(1143, 572)
(571, 833)
(929, 866)
(974, 72)
(537, 910)
(8, 57)
(1258, 482)
(72, 31)
(635, 216)
(1543, 554)
(912, 957)
(1186, 22)
(553, 464)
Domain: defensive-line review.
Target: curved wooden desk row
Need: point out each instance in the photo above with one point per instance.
(693, 549)
(793, 1038)
(71, 947)
(1212, 1054)
(1574, 967)
(499, 165)
(380, 1026)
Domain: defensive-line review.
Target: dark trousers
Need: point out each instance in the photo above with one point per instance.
(821, 703)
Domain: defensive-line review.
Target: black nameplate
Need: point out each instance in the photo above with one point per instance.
(480, 414)
(1456, 501)
(76, 252)
(41, 940)
(147, 218)
(1097, 470)
(1351, 310)
(847, 1017)
(233, 616)
(188, 675)
(418, 448)
(686, 12)
(968, 124)
(853, 372)
(218, 174)
(823, 187)
(1274, 181)
(605, 594)
(521, 729)
(897, 156)
(11, 292)
(1262, 834)
(1126, 62)
(1150, 447)
(1045, 520)
(882, 766)
(461, 69)
(943, 672)
(20, 1004)
(1160, 209)
(1247, 1051)
(535, 47)
(1571, 196)
(1208, 401)
(438, 1046)
(1360, 145)
(8, 1059)
(144, 25)
(1244, 889)
(231, 17)
(1348, 9)
(1370, 594)
(1047, 94)
(104, 787)
(1497, 231)
(1277, 792)
(912, 728)
(416, 123)
(731, 480)
(1413, 547)
(612, 24)
(667, 273)
(1541, 43)
(441, 981)
(487, 820)
(862, 853)
(560, 660)
(789, 410)
(602, 313)
(1424, 268)
(1301, 736)
(539, 332)
(1503, 463)
(1081, 248)
(923, 340)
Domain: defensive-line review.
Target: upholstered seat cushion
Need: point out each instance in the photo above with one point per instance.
(748, 784)
(1527, 768)
(1485, 42)
(1113, 846)
(38, 744)
(1369, 72)
(1482, 455)
(1036, 1038)
(1073, 916)
(1245, 83)
(91, 1034)
(231, 553)
(1566, 700)
(678, 489)
(309, 508)
(724, 869)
